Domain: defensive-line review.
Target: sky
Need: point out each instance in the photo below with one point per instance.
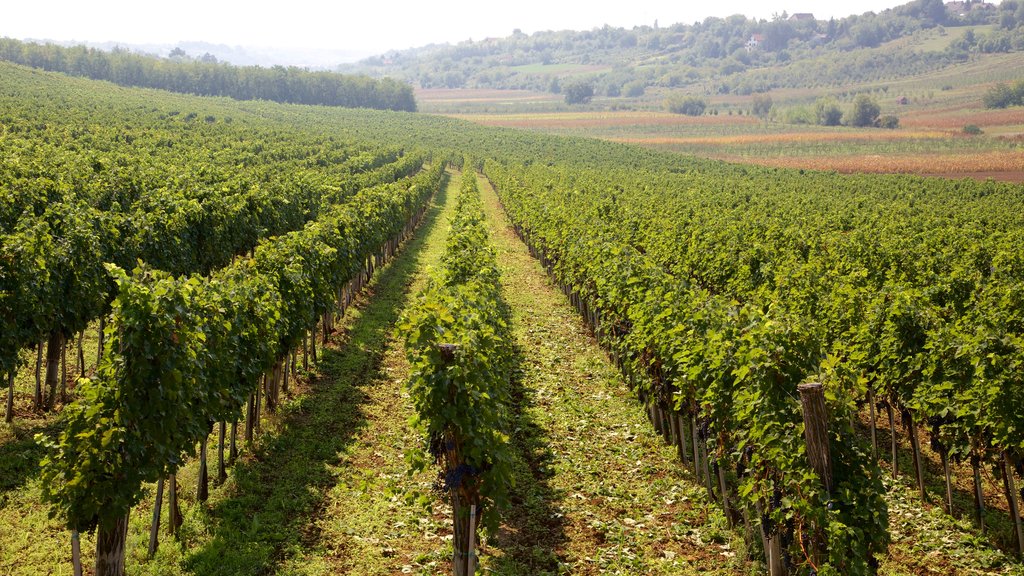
(366, 27)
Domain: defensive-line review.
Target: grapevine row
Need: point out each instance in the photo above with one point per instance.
(716, 314)
(183, 353)
(459, 349)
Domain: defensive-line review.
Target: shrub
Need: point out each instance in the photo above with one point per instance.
(865, 111)
(973, 130)
(889, 121)
(689, 105)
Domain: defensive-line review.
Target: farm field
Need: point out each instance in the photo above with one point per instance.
(657, 311)
(929, 141)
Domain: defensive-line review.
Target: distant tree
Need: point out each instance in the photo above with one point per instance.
(689, 105)
(579, 92)
(635, 89)
(1003, 95)
(827, 112)
(889, 121)
(177, 54)
(865, 111)
(933, 10)
(208, 58)
(555, 87)
(762, 105)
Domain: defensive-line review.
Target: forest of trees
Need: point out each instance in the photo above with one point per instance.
(735, 54)
(207, 77)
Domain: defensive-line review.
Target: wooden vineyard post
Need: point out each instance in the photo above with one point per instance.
(203, 484)
(812, 400)
(221, 473)
(915, 447)
(154, 528)
(681, 433)
(81, 353)
(38, 395)
(9, 414)
(76, 554)
(892, 434)
(64, 372)
(979, 497)
(1011, 498)
(173, 511)
(944, 453)
(99, 340)
(874, 423)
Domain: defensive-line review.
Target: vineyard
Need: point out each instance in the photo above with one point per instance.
(303, 342)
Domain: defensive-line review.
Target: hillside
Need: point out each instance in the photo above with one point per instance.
(733, 55)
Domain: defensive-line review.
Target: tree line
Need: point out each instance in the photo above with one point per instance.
(290, 85)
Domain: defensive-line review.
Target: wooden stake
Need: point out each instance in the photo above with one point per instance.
(154, 527)
(81, 353)
(173, 511)
(874, 425)
(979, 497)
(38, 396)
(915, 447)
(9, 414)
(1011, 498)
(99, 340)
(949, 484)
(64, 372)
(815, 413)
(221, 472)
(892, 433)
(203, 487)
(76, 554)
(812, 399)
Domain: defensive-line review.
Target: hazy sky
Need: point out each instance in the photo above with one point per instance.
(365, 26)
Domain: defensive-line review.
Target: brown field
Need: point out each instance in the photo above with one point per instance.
(604, 119)
(791, 137)
(930, 139)
(428, 96)
(1007, 166)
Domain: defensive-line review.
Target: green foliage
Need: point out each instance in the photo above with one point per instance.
(462, 396)
(1003, 95)
(178, 74)
(973, 130)
(184, 352)
(827, 112)
(865, 112)
(889, 121)
(719, 299)
(762, 105)
(579, 92)
(688, 105)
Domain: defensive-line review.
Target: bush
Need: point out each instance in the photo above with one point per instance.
(635, 89)
(579, 93)
(889, 121)
(865, 111)
(1003, 95)
(762, 105)
(689, 105)
(973, 130)
(827, 112)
